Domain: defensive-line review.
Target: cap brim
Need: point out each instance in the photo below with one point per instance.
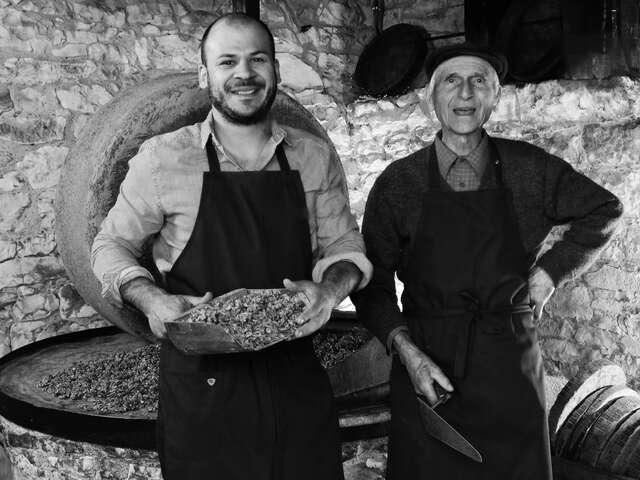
(496, 59)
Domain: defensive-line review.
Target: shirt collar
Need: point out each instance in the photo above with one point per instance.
(278, 134)
(478, 158)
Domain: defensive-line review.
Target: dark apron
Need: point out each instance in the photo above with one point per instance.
(265, 415)
(466, 302)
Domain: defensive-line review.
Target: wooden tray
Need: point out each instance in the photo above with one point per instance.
(199, 338)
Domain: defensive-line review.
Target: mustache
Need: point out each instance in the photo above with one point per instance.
(245, 83)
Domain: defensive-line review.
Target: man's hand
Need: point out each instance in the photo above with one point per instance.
(422, 370)
(322, 300)
(158, 305)
(540, 290)
(338, 281)
(167, 307)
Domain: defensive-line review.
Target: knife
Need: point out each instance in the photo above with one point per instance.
(439, 429)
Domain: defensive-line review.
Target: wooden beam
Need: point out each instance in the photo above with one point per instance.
(250, 7)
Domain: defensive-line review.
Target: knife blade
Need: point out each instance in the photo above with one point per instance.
(439, 429)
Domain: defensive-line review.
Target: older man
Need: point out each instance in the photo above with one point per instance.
(237, 201)
(461, 222)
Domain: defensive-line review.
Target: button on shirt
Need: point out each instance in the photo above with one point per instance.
(160, 196)
(463, 173)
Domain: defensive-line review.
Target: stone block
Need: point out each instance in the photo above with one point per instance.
(42, 167)
(630, 346)
(70, 50)
(46, 208)
(138, 14)
(28, 305)
(610, 278)
(12, 206)
(29, 270)
(40, 100)
(115, 19)
(81, 37)
(31, 129)
(572, 302)
(10, 182)
(8, 250)
(24, 333)
(82, 98)
(141, 49)
(40, 245)
(150, 30)
(296, 74)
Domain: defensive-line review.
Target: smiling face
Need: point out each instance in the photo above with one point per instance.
(241, 72)
(465, 92)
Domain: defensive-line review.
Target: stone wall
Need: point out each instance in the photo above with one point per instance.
(60, 61)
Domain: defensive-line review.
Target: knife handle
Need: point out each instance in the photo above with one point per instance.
(442, 394)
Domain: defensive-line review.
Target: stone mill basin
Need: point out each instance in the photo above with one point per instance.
(45, 433)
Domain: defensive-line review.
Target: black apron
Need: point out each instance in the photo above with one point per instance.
(466, 302)
(265, 415)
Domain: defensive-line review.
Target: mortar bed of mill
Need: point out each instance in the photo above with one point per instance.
(127, 381)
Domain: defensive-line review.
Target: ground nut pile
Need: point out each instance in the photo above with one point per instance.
(256, 319)
(127, 381)
(120, 382)
(333, 347)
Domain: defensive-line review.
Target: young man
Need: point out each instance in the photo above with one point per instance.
(237, 201)
(462, 223)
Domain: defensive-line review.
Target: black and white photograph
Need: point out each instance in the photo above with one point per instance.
(320, 240)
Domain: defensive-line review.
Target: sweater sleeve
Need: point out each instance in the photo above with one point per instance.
(591, 213)
(377, 304)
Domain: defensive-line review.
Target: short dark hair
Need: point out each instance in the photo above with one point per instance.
(241, 19)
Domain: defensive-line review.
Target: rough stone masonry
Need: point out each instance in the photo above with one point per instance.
(61, 60)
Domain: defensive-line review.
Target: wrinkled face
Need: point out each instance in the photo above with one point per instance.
(241, 73)
(465, 92)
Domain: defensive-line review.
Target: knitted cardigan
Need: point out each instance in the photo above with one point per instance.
(546, 191)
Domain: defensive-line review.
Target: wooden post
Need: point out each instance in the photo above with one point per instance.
(250, 7)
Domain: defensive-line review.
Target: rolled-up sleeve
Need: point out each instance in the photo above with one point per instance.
(591, 212)
(135, 217)
(337, 234)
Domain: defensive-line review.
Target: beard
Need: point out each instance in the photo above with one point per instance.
(218, 99)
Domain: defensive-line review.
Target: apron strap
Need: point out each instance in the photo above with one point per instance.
(214, 163)
(212, 156)
(436, 179)
(282, 158)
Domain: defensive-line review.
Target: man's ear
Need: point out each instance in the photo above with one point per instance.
(276, 67)
(203, 77)
(498, 94)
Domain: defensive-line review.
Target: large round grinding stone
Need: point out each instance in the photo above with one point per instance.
(98, 163)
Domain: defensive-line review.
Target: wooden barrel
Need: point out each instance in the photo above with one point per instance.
(630, 463)
(564, 433)
(621, 434)
(584, 425)
(592, 377)
(601, 430)
(631, 445)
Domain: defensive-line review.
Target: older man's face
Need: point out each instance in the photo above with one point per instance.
(241, 73)
(464, 94)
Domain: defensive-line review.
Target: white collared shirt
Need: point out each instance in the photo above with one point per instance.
(160, 195)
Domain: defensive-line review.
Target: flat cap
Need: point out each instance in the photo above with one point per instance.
(497, 60)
